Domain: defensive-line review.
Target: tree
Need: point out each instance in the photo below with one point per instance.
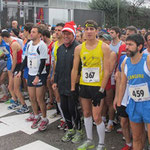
(130, 12)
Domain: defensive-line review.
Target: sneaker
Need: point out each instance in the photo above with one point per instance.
(22, 110)
(100, 147)
(4, 98)
(62, 124)
(127, 147)
(66, 127)
(55, 115)
(30, 118)
(109, 128)
(77, 137)
(68, 135)
(35, 123)
(14, 105)
(10, 101)
(119, 130)
(49, 106)
(86, 145)
(43, 125)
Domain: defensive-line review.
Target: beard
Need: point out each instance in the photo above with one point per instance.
(131, 53)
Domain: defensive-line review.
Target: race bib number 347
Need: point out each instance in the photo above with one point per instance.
(139, 92)
(90, 74)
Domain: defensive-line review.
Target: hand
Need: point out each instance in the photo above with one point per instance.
(115, 103)
(54, 86)
(36, 80)
(119, 110)
(52, 79)
(96, 99)
(74, 95)
(19, 74)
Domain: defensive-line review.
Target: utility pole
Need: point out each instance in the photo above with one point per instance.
(118, 5)
(1, 9)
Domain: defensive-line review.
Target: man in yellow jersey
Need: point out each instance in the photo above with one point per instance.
(59, 42)
(94, 55)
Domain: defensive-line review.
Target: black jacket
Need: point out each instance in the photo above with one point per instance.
(65, 56)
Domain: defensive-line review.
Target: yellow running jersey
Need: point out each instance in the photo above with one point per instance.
(55, 50)
(92, 65)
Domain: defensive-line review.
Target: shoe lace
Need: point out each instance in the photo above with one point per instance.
(42, 123)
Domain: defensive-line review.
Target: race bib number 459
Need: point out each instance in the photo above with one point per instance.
(139, 92)
(90, 74)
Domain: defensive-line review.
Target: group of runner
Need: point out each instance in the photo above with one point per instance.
(103, 72)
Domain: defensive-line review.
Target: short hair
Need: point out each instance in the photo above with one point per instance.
(15, 31)
(137, 38)
(60, 24)
(132, 28)
(116, 29)
(5, 33)
(28, 26)
(91, 23)
(46, 33)
(146, 35)
(38, 28)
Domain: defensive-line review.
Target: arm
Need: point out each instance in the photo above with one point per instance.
(74, 72)
(122, 86)
(112, 61)
(106, 52)
(15, 48)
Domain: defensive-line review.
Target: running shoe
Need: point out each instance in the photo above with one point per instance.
(109, 128)
(88, 144)
(119, 130)
(77, 137)
(49, 106)
(4, 98)
(10, 101)
(22, 110)
(43, 125)
(100, 147)
(30, 118)
(126, 147)
(14, 105)
(62, 124)
(55, 115)
(35, 123)
(68, 135)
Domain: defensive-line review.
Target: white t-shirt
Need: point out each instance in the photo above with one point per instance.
(146, 52)
(34, 54)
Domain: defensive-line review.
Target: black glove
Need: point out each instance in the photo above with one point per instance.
(74, 95)
(96, 99)
(119, 110)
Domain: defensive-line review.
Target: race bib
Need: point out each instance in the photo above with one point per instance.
(90, 74)
(139, 92)
(32, 62)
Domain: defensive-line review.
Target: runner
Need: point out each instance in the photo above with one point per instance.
(49, 43)
(138, 81)
(62, 80)
(94, 55)
(35, 59)
(14, 81)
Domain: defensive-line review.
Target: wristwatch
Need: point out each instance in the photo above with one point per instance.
(101, 90)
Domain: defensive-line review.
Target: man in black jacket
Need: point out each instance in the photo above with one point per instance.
(62, 81)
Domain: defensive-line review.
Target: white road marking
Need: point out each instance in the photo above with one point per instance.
(37, 145)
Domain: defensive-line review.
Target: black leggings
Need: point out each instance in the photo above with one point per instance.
(70, 111)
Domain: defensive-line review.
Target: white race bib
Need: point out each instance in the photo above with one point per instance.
(90, 74)
(139, 92)
(32, 62)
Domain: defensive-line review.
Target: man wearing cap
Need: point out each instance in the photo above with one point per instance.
(94, 55)
(62, 81)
